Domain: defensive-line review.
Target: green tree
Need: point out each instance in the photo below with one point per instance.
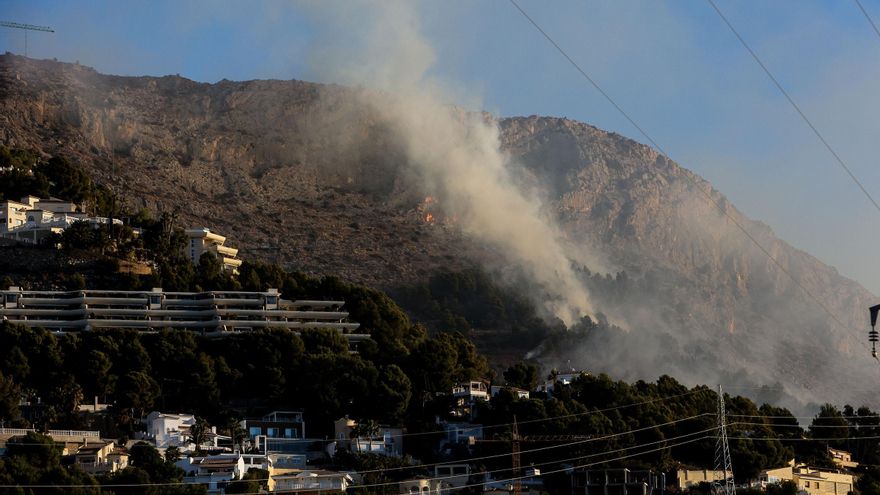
(172, 454)
(137, 391)
(10, 395)
(522, 375)
(253, 481)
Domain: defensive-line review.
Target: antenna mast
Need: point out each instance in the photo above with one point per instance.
(723, 484)
(26, 28)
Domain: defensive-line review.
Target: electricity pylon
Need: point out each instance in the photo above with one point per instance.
(723, 483)
(26, 28)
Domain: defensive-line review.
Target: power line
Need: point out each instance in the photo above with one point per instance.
(873, 416)
(581, 466)
(550, 447)
(784, 439)
(787, 425)
(794, 105)
(373, 485)
(694, 184)
(527, 451)
(868, 17)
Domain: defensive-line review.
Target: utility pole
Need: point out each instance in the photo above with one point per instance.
(722, 485)
(26, 28)
(515, 440)
(514, 452)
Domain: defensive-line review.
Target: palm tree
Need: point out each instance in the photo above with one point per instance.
(368, 428)
(238, 435)
(199, 434)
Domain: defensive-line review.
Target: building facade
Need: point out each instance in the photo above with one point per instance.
(386, 440)
(617, 482)
(201, 240)
(100, 458)
(32, 219)
(313, 481)
(207, 312)
(812, 481)
(173, 430)
(277, 432)
(688, 478)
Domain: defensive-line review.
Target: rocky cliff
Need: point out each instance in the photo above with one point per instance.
(286, 174)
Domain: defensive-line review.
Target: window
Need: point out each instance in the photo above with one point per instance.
(288, 433)
(253, 431)
(272, 432)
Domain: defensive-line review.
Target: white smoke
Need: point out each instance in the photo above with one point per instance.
(455, 153)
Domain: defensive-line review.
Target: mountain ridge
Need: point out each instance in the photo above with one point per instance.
(309, 175)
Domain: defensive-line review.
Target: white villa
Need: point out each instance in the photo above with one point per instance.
(33, 218)
(386, 441)
(173, 430)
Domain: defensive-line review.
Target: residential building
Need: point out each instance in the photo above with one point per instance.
(32, 219)
(842, 458)
(281, 464)
(211, 313)
(13, 214)
(62, 436)
(530, 483)
(173, 430)
(386, 440)
(561, 379)
(100, 458)
(213, 471)
(422, 486)
(466, 433)
(467, 394)
(312, 482)
(455, 475)
(687, 478)
(620, 481)
(519, 393)
(812, 481)
(202, 240)
(93, 408)
(278, 431)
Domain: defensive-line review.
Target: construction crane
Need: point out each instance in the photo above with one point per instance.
(872, 334)
(26, 28)
(515, 439)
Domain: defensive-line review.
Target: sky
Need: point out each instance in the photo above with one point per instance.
(673, 66)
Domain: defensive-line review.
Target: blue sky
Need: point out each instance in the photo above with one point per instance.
(672, 65)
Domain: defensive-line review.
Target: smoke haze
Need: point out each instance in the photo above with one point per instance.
(455, 154)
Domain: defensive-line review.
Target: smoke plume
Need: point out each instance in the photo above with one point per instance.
(455, 154)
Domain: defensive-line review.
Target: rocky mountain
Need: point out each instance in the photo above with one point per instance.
(307, 175)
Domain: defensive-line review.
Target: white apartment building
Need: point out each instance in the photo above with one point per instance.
(202, 240)
(211, 313)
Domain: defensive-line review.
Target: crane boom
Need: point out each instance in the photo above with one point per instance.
(26, 27)
(18, 25)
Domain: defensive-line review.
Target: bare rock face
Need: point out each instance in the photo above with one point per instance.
(287, 175)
